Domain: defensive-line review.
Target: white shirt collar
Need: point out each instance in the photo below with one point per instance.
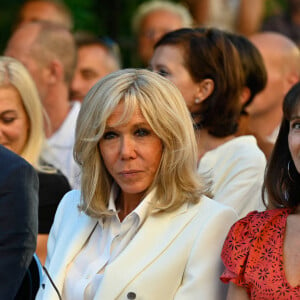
(141, 211)
(65, 135)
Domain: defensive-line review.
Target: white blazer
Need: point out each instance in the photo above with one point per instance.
(173, 255)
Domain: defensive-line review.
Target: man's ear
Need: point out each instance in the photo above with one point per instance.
(206, 88)
(291, 79)
(55, 71)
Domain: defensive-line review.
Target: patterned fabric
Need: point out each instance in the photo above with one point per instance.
(253, 256)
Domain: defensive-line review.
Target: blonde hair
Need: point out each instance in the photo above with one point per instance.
(148, 7)
(163, 107)
(13, 73)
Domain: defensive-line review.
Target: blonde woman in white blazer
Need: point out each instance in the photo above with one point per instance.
(141, 227)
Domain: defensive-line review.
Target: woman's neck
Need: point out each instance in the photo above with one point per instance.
(126, 203)
(207, 142)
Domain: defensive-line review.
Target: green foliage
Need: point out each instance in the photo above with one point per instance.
(274, 7)
(7, 16)
(85, 15)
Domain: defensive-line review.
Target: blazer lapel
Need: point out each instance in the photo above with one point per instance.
(70, 246)
(155, 235)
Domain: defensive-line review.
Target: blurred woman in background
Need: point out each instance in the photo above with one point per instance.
(206, 68)
(22, 131)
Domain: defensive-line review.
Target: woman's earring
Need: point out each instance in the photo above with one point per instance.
(288, 170)
(197, 101)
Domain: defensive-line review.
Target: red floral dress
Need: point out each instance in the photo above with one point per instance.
(253, 256)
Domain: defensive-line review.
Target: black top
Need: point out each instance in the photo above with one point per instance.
(52, 188)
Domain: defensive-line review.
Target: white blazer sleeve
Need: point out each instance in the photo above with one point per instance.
(60, 215)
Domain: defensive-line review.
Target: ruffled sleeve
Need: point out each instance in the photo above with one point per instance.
(236, 250)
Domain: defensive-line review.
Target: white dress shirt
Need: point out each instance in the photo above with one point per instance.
(59, 148)
(108, 239)
(217, 17)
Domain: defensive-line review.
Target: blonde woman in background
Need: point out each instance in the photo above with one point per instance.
(22, 131)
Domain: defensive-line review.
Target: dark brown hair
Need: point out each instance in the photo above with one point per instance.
(253, 65)
(208, 53)
(282, 181)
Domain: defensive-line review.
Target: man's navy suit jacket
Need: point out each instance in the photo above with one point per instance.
(18, 220)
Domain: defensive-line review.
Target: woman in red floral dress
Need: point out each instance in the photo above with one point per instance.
(261, 253)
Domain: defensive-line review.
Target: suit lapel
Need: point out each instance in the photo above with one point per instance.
(155, 235)
(71, 245)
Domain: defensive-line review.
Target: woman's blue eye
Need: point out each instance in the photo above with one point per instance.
(109, 135)
(142, 132)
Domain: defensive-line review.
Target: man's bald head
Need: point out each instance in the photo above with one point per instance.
(280, 46)
(282, 60)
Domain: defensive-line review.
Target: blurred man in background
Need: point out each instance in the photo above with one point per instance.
(96, 57)
(152, 20)
(282, 61)
(54, 11)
